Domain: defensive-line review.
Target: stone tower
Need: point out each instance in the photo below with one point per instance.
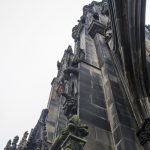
(100, 99)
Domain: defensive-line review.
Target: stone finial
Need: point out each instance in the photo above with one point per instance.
(69, 49)
(23, 141)
(14, 143)
(8, 146)
(77, 30)
(58, 65)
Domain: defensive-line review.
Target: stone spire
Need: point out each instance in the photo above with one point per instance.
(8, 146)
(23, 141)
(14, 143)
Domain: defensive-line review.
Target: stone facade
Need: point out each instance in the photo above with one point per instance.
(100, 98)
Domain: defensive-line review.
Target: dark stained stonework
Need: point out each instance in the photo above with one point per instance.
(95, 28)
(100, 98)
(144, 133)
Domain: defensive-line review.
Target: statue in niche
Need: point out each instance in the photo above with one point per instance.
(108, 34)
(70, 75)
(80, 56)
(69, 106)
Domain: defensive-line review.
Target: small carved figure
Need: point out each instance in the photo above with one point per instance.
(69, 106)
(74, 128)
(77, 30)
(80, 56)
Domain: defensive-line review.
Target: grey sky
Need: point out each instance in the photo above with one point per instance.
(33, 36)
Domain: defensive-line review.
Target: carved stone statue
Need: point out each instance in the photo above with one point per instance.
(80, 56)
(69, 106)
(77, 30)
(73, 133)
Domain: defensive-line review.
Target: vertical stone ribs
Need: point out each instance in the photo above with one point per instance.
(128, 27)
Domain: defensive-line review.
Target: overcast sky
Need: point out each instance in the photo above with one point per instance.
(33, 36)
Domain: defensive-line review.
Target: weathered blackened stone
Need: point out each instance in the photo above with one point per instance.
(96, 27)
(95, 120)
(127, 145)
(144, 132)
(105, 82)
(117, 135)
(104, 136)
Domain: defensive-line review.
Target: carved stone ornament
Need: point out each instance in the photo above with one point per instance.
(58, 65)
(70, 70)
(96, 27)
(71, 136)
(69, 106)
(73, 143)
(8, 146)
(80, 56)
(76, 31)
(105, 8)
(23, 141)
(14, 143)
(96, 16)
(69, 49)
(144, 133)
(88, 8)
(108, 34)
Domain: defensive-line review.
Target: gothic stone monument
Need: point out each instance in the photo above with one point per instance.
(100, 98)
